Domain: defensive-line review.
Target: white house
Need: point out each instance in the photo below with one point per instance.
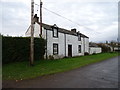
(93, 48)
(61, 42)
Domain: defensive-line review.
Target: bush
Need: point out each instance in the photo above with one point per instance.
(94, 54)
(16, 49)
(51, 57)
(86, 53)
(104, 48)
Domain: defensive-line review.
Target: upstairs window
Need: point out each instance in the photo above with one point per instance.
(79, 37)
(79, 48)
(55, 32)
(55, 49)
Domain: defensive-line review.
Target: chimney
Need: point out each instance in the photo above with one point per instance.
(74, 30)
(36, 18)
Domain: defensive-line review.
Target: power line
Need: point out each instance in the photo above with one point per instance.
(68, 19)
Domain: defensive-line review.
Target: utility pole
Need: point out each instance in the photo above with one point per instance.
(32, 35)
(41, 18)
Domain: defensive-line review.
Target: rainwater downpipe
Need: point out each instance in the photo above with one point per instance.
(65, 43)
(46, 44)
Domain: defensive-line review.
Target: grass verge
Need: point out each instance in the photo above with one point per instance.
(22, 70)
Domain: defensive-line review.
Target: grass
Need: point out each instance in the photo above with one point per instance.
(22, 70)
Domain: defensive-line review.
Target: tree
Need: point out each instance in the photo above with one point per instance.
(105, 48)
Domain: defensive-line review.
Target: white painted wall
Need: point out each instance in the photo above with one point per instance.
(59, 41)
(36, 30)
(86, 44)
(70, 39)
(117, 48)
(95, 50)
(73, 40)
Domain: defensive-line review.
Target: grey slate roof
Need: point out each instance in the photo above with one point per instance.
(62, 30)
(93, 45)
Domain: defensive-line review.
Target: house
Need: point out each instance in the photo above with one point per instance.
(61, 42)
(115, 46)
(94, 49)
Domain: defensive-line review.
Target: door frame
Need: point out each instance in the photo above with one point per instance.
(69, 50)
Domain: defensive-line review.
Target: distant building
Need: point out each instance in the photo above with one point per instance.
(94, 49)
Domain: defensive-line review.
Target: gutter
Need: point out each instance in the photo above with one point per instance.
(46, 44)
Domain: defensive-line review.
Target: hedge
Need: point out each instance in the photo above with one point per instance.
(104, 48)
(15, 49)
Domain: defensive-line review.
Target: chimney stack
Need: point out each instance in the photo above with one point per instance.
(74, 30)
(36, 18)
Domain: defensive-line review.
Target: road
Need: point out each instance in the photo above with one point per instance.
(99, 75)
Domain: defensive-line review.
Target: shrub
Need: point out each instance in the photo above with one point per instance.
(16, 49)
(51, 57)
(86, 53)
(94, 54)
(104, 48)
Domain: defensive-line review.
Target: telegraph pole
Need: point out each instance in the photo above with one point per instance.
(32, 35)
(41, 18)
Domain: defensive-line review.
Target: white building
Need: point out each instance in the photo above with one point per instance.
(61, 42)
(94, 49)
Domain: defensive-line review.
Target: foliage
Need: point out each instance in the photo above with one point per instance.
(94, 53)
(51, 57)
(104, 47)
(86, 53)
(16, 49)
(22, 70)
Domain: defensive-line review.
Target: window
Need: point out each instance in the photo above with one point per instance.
(55, 49)
(79, 37)
(55, 32)
(79, 48)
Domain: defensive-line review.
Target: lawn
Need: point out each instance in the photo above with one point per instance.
(22, 70)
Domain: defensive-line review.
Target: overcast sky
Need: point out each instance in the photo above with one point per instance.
(97, 19)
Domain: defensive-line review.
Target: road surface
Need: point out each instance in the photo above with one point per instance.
(99, 75)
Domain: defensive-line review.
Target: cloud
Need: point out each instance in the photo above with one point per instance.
(95, 18)
(108, 33)
(15, 17)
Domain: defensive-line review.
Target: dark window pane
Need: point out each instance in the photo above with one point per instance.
(79, 37)
(79, 48)
(55, 49)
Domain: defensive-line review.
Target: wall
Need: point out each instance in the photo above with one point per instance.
(117, 48)
(85, 44)
(73, 40)
(70, 39)
(95, 50)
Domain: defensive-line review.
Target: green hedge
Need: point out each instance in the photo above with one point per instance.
(16, 49)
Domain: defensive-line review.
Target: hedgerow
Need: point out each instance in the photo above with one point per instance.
(15, 49)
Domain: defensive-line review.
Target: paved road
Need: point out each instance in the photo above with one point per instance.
(99, 75)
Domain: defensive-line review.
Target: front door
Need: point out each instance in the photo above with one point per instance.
(69, 50)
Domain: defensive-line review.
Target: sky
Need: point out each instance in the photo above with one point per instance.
(97, 19)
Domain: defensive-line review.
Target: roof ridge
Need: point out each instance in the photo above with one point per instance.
(63, 30)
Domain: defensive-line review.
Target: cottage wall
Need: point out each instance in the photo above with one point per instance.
(62, 44)
(63, 41)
